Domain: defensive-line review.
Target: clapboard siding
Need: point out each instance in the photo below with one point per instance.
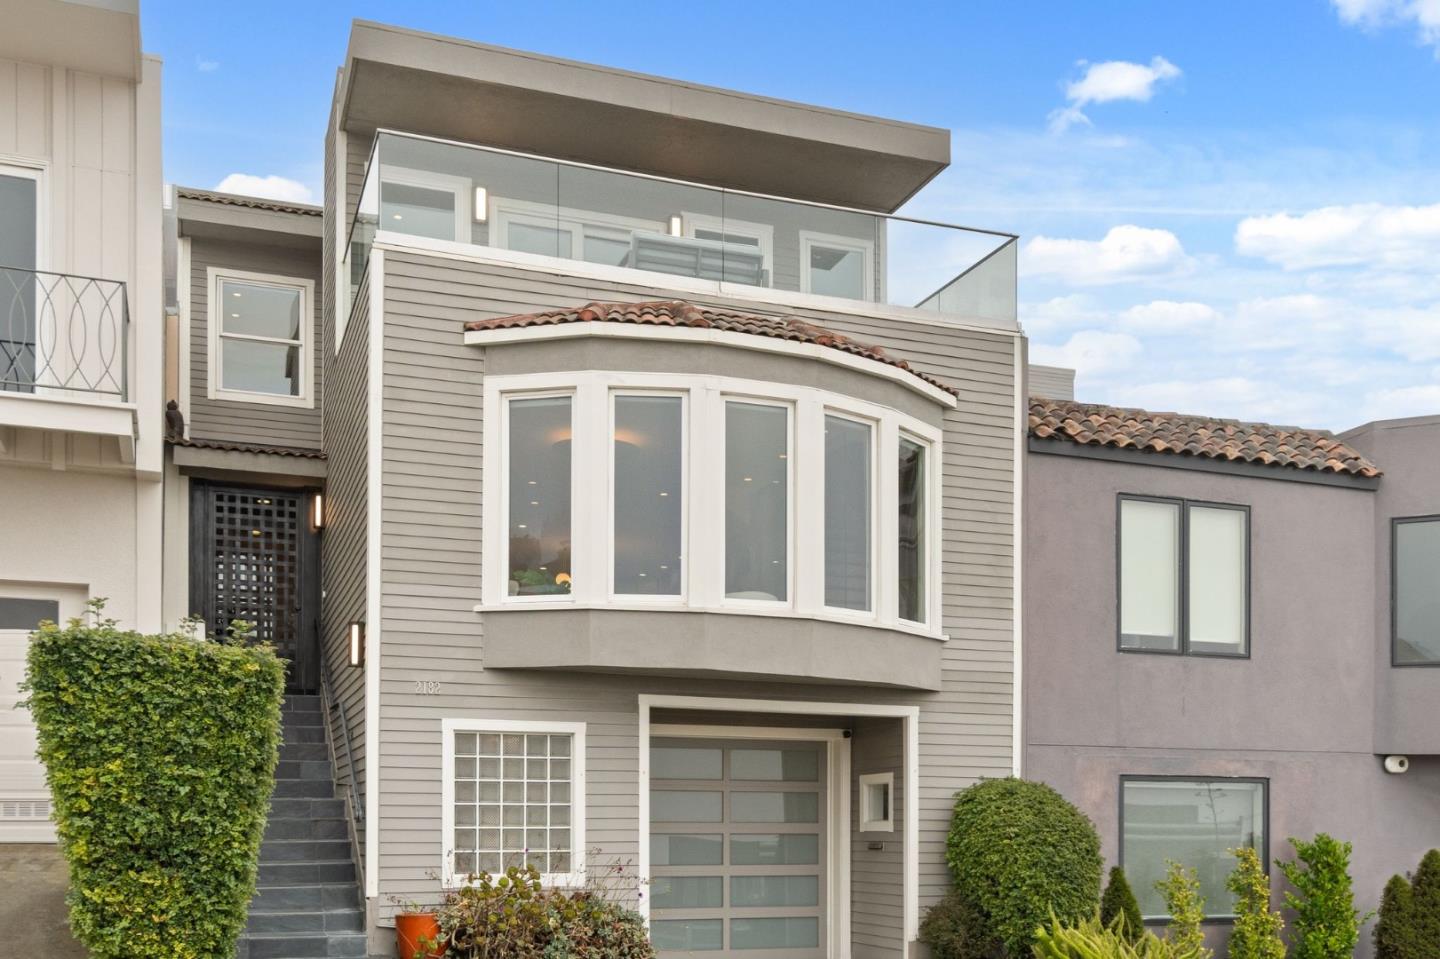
(251, 422)
(345, 541)
(430, 579)
(877, 875)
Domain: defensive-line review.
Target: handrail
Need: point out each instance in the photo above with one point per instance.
(354, 811)
(334, 703)
(63, 332)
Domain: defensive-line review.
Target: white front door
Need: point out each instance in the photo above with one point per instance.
(739, 839)
(24, 797)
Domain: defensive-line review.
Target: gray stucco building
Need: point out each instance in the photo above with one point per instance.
(1213, 652)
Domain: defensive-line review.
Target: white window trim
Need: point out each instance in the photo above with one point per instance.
(38, 171)
(214, 323)
(841, 612)
(762, 232)
(647, 598)
(930, 587)
(869, 822)
(573, 220)
(703, 578)
(578, 798)
(792, 416)
(813, 238)
(458, 186)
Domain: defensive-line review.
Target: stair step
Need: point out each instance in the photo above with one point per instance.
(304, 789)
(285, 945)
(300, 703)
(309, 922)
(314, 733)
(300, 873)
(317, 897)
(304, 752)
(303, 850)
(307, 808)
(304, 769)
(279, 828)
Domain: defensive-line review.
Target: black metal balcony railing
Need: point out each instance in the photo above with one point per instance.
(64, 333)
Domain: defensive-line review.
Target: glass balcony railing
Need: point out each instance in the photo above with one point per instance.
(480, 196)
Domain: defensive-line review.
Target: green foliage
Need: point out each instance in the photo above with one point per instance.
(954, 928)
(1181, 889)
(1395, 933)
(160, 752)
(1019, 852)
(514, 917)
(1119, 908)
(1425, 920)
(1092, 939)
(1256, 933)
(1327, 925)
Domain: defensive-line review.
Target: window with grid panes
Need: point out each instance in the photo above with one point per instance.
(513, 802)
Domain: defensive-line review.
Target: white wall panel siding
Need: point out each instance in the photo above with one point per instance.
(223, 419)
(430, 581)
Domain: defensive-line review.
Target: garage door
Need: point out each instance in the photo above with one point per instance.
(737, 840)
(24, 797)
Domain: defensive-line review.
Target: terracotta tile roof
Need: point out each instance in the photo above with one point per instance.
(683, 314)
(253, 202)
(1092, 424)
(229, 447)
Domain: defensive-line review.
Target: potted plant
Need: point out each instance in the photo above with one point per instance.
(417, 931)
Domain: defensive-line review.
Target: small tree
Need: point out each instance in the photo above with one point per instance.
(1256, 934)
(1327, 925)
(954, 929)
(1395, 934)
(1118, 907)
(1425, 918)
(1181, 889)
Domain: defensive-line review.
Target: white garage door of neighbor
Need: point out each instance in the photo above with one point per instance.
(24, 797)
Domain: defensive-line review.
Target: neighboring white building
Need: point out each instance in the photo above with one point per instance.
(81, 324)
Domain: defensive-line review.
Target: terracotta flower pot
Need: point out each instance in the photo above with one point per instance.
(410, 927)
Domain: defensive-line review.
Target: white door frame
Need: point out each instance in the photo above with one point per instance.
(839, 882)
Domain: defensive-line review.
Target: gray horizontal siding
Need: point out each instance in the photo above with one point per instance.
(238, 421)
(430, 556)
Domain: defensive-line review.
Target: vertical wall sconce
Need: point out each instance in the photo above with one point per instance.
(481, 209)
(676, 226)
(317, 511)
(357, 644)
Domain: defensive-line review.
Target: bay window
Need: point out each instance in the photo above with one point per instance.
(705, 492)
(1184, 577)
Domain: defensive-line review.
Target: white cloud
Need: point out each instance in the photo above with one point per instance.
(1125, 253)
(1107, 82)
(1090, 352)
(206, 66)
(1060, 313)
(1362, 234)
(1168, 316)
(1372, 14)
(1401, 402)
(270, 187)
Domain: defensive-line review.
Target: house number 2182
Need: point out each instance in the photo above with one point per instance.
(426, 687)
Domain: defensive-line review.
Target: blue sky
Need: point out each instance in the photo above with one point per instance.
(1226, 207)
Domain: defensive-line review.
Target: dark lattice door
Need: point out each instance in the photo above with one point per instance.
(255, 559)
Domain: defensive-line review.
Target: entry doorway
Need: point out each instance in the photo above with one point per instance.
(254, 557)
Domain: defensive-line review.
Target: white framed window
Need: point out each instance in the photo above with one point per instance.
(261, 337)
(832, 265)
(423, 203)
(513, 795)
(610, 474)
(744, 235)
(22, 244)
(566, 232)
(877, 806)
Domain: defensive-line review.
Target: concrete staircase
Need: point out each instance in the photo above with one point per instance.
(307, 903)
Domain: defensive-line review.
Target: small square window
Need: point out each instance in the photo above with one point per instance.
(877, 809)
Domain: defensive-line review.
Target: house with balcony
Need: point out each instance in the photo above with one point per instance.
(81, 321)
(629, 482)
(1227, 638)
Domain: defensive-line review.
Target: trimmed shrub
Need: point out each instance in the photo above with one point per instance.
(160, 752)
(1425, 918)
(1092, 939)
(1019, 852)
(1119, 908)
(1181, 889)
(1395, 934)
(500, 917)
(1327, 925)
(953, 928)
(1256, 934)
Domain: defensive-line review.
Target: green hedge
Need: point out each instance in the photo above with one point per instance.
(160, 752)
(1021, 853)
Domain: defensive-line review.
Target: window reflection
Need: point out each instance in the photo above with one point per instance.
(540, 434)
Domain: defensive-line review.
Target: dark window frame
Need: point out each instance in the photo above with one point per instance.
(1395, 523)
(1182, 576)
(1262, 781)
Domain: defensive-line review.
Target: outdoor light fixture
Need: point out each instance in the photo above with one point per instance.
(482, 206)
(676, 226)
(317, 511)
(357, 643)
